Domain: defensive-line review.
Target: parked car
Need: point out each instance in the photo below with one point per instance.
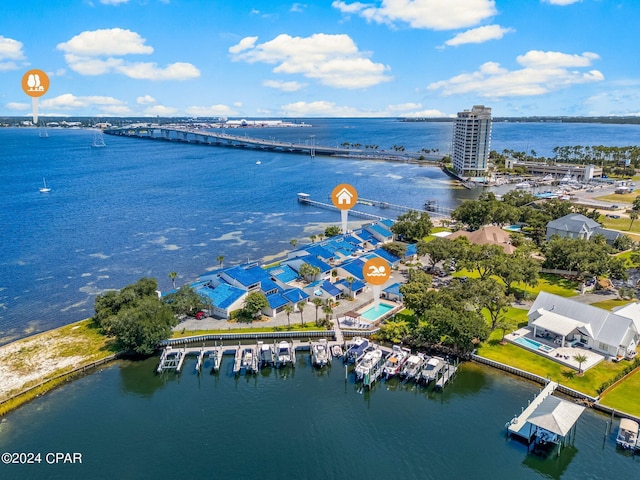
(200, 315)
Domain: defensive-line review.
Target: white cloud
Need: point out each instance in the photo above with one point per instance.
(95, 53)
(333, 60)
(542, 72)
(10, 51)
(284, 86)
(160, 111)
(106, 42)
(211, 111)
(431, 113)
(479, 35)
(113, 2)
(403, 106)
(322, 108)
(18, 106)
(69, 101)
(562, 3)
(146, 100)
(431, 14)
(297, 7)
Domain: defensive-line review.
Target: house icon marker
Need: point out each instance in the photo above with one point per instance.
(344, 197)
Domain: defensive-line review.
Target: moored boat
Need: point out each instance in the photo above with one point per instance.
(367, 363)
(266, 355)
(320, 355)
(394, 361)
(355, 349)
(284, 354)
(432, 367)
(249, 360)
(627, 437)
(412, 367)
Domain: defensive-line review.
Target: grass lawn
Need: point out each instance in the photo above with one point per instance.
(555, 284)
(619, 197)
(525, 360)
(611, 304)
(624, 396)
(295, 327)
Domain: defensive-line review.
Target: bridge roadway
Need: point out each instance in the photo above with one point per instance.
(221, 139)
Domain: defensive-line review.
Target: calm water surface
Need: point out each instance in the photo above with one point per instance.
(293, 423)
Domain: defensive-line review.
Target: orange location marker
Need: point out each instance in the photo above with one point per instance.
(376, 271)
(35, 83)
(344, 196)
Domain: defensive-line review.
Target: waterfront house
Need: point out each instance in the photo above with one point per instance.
(392, 292)
(614, 334)
(576, 225)
(222, 299)
(379, 232)
(353, 290)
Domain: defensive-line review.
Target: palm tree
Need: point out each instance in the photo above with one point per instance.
(301, 304)
(293, 243)
(329, 305)
(313, 238)
(580, 358)
(288, 309)
(172, 276)
(318, 303)
(350, 281)
(633, 216)
(220, 258)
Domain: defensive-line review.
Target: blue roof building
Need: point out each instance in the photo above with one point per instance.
(352, 268)
(382, 253)
(380, 232)
(224, 298)
(283, 273)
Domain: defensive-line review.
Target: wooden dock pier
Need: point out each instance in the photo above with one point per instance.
(448, 372)
(516, 425)
(306, 199)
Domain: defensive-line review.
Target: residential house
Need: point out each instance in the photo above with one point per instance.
(614, 334)
(576, 225)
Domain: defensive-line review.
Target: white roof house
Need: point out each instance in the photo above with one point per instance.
(614, 333)
(576, 225)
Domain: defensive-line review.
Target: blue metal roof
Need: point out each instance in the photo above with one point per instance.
(284, 273)
(320, 251)
(316, 262)
(380, 230)
(382, 253)
(412, 249)
(353, 240)
(367, 237)
(276, 300)
(268, 285)
(354, 268)
(295, 295)
(244, 276)
(223, 295)
(355, 285)
(395, 288)
(331, 289)
(386, 222)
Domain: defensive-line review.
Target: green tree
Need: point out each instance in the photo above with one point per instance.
(185, 301)
(633, 215)
(474, 214)
(415, 292)
(308, 271)
(301, 306)
(293, 243)
(350, 280)
(254, 303)
(288, 309)
(438, 249)
(519, 267)
(318, 303)
(412, 226)
(483, 259)
(172, 276)
(332, 231)
(580, 358)
(220, 259)
(489, 295)
(397, 249)
(394, 330)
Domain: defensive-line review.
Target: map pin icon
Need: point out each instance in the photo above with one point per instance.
(35, 83)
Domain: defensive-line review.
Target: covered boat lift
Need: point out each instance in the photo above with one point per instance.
(554, 421)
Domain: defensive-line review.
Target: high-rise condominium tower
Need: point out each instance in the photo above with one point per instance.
(471, 141)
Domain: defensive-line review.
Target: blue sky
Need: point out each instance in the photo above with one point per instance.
(342, 58)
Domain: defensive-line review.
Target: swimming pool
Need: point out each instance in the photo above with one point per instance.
(373, 312)
(512, 228)
(532, 344)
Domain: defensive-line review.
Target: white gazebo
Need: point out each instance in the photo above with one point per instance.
(555, 420)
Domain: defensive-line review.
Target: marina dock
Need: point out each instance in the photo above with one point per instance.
(306, 199)
(447, 373)
(516, 426)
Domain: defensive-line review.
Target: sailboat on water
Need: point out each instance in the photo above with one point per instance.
(98, 140)
(44, 188)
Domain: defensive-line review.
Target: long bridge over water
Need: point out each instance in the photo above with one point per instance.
(223, 139)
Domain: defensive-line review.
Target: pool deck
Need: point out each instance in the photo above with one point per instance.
(562, 355)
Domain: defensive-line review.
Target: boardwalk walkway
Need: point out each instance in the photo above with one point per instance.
(516, 425)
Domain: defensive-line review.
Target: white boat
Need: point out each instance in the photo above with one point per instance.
(44, 188)
(356, 348)
(394, 361)
(249, 360)
(98, 140)
(431, 369)
(523, 185)
(367, 363)
(258, 162)
(336, 351)
(284, 354)
(320, 355)
(412, 367)
(266, 355)
(627, 437)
